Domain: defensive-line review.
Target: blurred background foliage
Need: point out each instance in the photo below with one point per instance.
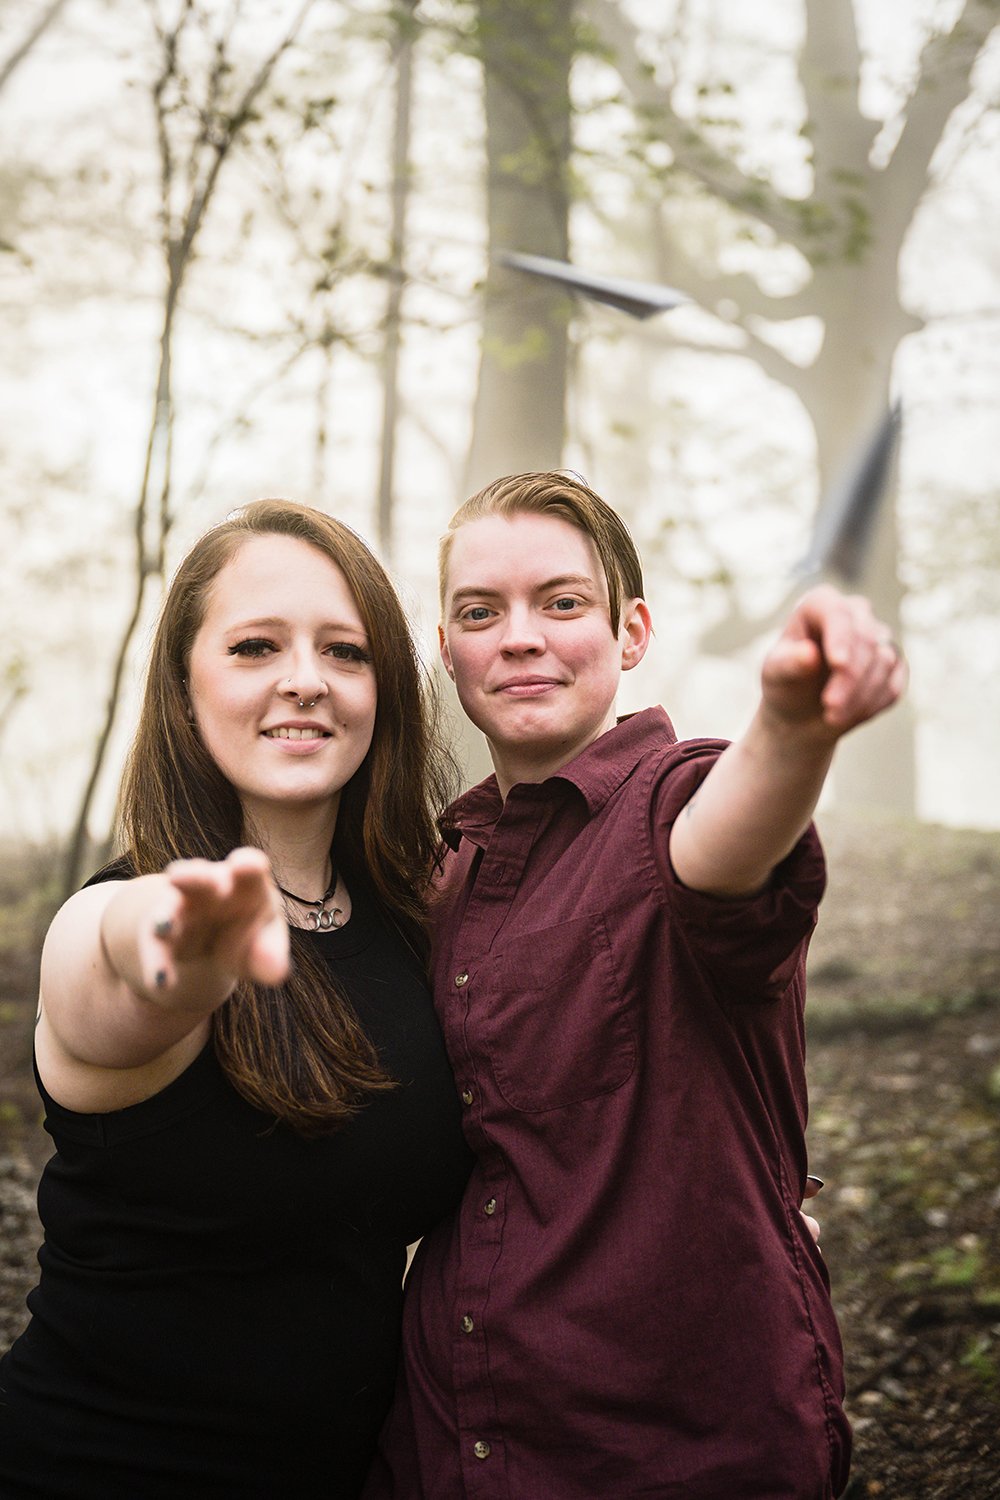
(250, 247)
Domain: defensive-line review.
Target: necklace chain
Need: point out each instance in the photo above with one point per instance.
(322, 920)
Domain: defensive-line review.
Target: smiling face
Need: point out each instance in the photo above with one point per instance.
(528, 640)
(281, 624)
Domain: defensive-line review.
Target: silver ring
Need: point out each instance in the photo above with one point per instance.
(307, 705)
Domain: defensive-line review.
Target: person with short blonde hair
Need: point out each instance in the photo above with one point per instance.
(628, 1302)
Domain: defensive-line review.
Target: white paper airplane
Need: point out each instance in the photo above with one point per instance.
(640, 299)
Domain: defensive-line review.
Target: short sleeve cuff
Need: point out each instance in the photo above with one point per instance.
(753, 944)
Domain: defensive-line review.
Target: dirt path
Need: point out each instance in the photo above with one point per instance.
(905, 1132)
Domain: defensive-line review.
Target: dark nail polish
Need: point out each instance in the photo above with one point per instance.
(161, 978)
(164, 928)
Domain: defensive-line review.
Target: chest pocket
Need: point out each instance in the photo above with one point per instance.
(554, 1022)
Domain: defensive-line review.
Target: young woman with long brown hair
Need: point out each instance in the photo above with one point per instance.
(251, 1105)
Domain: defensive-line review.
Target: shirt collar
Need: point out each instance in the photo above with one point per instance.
(596, 773)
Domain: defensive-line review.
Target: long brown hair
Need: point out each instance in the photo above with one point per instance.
(296, 1051)
(566, 496)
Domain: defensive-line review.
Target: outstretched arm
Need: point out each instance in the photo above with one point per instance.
(129, 969)
(833, 667)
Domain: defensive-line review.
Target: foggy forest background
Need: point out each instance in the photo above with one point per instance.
(251, 248)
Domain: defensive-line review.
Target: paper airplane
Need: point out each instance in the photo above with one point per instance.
(839, 543)
(640, 299)
(847, 515)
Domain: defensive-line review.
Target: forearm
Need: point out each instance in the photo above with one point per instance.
(833, 667)
(753, 806)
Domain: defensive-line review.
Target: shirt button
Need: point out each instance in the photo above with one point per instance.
(490, 1206)
(467, 1096)
(467, 1324)
(481, 1449)
(461, 979)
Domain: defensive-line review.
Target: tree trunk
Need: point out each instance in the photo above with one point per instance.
(519, 421)
(877, 770)
(394, 301)
(850, 393)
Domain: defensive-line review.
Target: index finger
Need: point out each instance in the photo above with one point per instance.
(242, 864)
(844, 626)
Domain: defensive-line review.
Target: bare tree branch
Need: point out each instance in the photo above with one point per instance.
(946, 66)
(150, 555)
(742, 289)
(778, 366)
(13, 693)
(692, 152)
(169, 40)
(223, 142)
(36, 32)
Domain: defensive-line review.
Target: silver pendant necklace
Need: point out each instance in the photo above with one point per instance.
(322, 920)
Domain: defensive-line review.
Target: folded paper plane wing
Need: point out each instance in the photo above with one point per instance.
(846, 518)
(640, 299)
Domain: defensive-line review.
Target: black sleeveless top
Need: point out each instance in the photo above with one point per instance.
(218, 1311)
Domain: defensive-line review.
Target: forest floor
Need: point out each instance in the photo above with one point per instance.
(904, 1065)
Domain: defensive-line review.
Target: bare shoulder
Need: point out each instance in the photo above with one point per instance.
(73, 942)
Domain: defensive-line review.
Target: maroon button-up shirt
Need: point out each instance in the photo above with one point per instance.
(627, 1303)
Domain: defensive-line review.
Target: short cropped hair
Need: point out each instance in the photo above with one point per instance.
(566, 496)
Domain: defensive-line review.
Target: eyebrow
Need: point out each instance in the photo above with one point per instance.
(276, 622)
(562, 580)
